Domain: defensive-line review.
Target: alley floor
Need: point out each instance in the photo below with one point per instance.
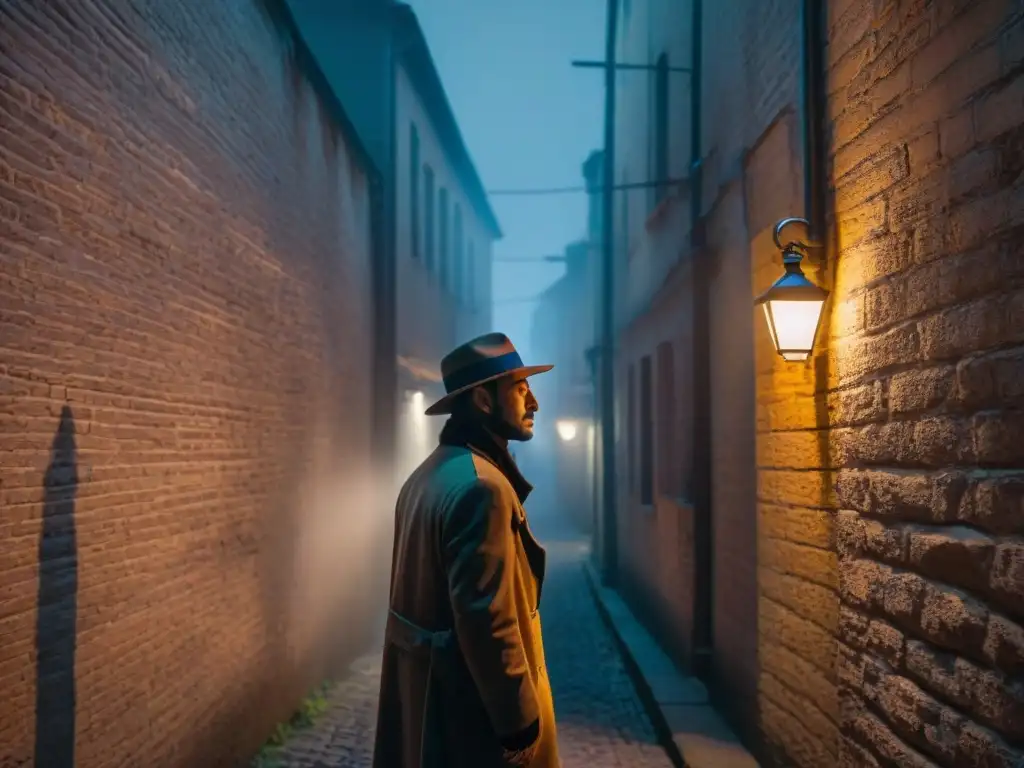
(601, 721)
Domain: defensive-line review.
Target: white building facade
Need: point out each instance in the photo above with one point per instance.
(445, 231)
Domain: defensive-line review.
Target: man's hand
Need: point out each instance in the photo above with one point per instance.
(520, 748)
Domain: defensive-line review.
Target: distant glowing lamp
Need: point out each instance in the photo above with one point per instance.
(792, 306)
(417, 399)
(566, 430)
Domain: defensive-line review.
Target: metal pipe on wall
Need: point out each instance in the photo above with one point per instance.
(814, 104)
(700, 470)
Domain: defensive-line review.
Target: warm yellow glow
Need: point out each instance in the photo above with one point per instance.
(416, 433)
(793, 325)
(566, 430)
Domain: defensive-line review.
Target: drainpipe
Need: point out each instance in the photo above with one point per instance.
(609, 527)
(814, 104)
(700, 470)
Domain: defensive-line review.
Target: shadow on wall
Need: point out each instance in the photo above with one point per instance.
(57, 604)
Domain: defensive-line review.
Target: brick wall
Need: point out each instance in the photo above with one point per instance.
(656, 540)
(773, 580)
(186, 517)
(925, 362)
(875, 617)
(797, 605)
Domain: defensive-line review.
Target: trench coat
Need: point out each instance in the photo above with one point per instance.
(463, 662)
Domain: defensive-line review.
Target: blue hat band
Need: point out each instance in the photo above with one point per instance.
(482, 369)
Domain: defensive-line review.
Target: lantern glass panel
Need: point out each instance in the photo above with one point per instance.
(793, 325)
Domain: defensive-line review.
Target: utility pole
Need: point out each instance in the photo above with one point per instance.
(610, 528)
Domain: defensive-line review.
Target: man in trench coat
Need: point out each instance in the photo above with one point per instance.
(464, 681)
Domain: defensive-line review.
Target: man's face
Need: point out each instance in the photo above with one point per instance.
(515, 406)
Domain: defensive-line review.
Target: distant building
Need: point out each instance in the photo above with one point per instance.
(441, 227)
(563, 327)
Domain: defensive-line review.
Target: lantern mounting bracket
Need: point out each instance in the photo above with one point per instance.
(793, 247)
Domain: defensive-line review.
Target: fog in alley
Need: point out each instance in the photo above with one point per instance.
(530, 120)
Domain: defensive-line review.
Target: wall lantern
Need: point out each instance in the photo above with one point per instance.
(566, 430)
(792, 306)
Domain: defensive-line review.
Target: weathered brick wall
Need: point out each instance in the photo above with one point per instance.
(774, 603)
(875, 619)
(797, 576)
(185, 523)
(927, 364)
(656, 543)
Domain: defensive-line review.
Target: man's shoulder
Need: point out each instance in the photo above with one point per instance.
(470, 474)
(459, 471)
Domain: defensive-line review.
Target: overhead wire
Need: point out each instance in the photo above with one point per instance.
(537, 191)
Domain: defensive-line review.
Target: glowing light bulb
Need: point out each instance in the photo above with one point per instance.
(566, 430)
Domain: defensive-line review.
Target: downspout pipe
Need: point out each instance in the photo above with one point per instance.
(700, 469)
(815, 97)
(606, 388)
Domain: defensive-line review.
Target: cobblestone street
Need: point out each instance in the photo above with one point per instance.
(600, 719)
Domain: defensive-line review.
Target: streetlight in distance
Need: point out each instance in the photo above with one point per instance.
(566, 430)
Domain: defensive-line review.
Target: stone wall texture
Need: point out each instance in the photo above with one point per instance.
(926, 379)
(186, 524)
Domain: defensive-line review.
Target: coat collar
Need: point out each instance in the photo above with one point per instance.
(483, 442)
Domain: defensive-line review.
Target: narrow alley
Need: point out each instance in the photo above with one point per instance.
(601, 721)
(737, 285)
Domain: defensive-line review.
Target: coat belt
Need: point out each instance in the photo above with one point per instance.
(436, 649)
(432, 646)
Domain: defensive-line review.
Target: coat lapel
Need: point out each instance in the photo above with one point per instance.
(535, 553)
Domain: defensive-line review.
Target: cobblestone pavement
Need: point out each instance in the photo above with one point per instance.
(600, 719)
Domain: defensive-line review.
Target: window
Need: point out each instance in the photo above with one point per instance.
(631, 429)
(471, 296)
(661, 93)
(428, 217)
(442, 236)
(458, 257)
(414, 190)
(668, 472)
(646, 433)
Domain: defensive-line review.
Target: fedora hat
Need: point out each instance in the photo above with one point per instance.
(480, 360)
